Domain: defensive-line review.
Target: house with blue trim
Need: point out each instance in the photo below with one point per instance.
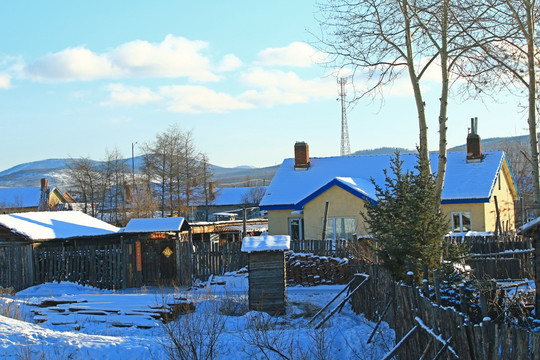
(479, 192)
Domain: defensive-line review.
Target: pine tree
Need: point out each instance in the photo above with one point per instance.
(406, 221)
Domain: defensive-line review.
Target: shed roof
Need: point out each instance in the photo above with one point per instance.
(464, 182)
(171, 224)
(48, 225)
(266, 243)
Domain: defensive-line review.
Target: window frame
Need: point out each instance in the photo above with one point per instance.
(333, 221)
(461, 216)
(300, 227)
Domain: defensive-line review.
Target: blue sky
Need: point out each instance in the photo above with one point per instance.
(78, 77)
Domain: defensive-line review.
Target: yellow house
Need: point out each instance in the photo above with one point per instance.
(27, 199)
(478, 195)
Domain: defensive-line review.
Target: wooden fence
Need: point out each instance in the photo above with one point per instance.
(102, 266)
(16, 266)
(409, 308)
(335, 248)
(212, 258)
(507, 256)
(114, 265)
(489, 244)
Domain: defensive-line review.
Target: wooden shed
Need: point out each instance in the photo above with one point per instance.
(162, 250)
(267, 273)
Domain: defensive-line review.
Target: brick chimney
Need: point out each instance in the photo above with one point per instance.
(301, 156)
(44, 198)
(474, 144)
(44, 184)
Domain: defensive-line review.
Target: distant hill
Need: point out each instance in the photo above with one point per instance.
(55, 170)
(499, 143)
(384, 151)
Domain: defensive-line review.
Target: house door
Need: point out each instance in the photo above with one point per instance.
(296, 228)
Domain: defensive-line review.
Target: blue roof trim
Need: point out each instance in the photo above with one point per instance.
(278, 207)
(512, 175)
(334, 182)
(465, 201)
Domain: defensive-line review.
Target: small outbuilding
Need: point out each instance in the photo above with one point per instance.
(162, 251)
(267, 273)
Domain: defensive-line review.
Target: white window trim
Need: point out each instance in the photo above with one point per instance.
(301, 226)
(333, 219)
(460, 213)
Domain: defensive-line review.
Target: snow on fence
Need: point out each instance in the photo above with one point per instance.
(487, 340)
(507, 256)
(486, 244)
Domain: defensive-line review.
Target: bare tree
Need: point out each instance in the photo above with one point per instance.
(113, 174)
(173, 164)
(378, 38)
(506, 39)
(383, 39)
(84, 181)
(253, 196)
(206, 175)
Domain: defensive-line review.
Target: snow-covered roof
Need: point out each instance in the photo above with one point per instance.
(529, 227)
(156, 225)
(231, 196)
(20, 197)
(464, 182)
(47, 225)
(266, 243)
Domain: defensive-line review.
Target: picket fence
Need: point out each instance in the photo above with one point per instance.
(409, 308)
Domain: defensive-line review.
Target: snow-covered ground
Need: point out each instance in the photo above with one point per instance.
(88, 323)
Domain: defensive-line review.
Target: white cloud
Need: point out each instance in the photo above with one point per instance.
(173, 57)
(122, 95)
(5, 81)
(199, 99)
(72, 64)
(281, 87)
(272, 96)
(295, 54)
(229, 62)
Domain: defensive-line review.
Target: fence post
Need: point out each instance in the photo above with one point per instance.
(410, 274)
(29, 265)
(425, 281)
(437, 286)
(537, 272)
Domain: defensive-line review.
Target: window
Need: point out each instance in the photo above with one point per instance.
(296, 228)
(341, 228)
(461, 221)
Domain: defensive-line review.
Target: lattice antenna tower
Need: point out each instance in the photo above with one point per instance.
(345, 145)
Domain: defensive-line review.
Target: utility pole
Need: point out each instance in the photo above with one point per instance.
(133, 170)
(345, 145)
